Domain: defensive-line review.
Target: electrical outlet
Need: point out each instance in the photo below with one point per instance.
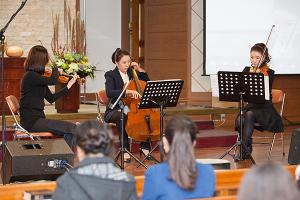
(215, 117)
(223, 117)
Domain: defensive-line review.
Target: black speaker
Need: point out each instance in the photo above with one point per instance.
(294, 152)
(36, 160)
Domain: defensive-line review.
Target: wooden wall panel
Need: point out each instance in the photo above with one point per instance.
(125, 13)
(290, 84)
(162, 68)
(171, 46)
(165, 2)
(173, 21)
(167, 41)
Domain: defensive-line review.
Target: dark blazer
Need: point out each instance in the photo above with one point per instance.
(114, 85)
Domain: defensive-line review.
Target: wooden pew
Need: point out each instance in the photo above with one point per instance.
(220, 198)
(227, 184)
(227, 181)
(15, 191)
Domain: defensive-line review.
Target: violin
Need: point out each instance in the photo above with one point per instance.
(263, 69)
(64, 78)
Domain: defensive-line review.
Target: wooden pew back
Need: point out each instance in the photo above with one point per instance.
(227, 184)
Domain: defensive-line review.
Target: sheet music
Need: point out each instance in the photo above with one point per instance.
(267, 87)
(122, 93)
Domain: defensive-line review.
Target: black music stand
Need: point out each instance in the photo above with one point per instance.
(122, 149)
(240, 87)
(160, 94)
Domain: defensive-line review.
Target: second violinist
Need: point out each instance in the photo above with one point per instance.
(262, 113)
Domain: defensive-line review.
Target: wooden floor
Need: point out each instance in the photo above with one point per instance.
(260, 154)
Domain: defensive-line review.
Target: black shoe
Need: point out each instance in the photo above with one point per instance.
(127, 158)
(145, 152)
(245, 155)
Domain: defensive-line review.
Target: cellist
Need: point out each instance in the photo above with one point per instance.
(114, 82)
(262, 113)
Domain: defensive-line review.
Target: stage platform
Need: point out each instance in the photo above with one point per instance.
(89, 111)
(208, 137)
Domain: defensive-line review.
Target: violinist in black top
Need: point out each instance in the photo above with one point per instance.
(115, 81)
(34, 89)
(262, 113)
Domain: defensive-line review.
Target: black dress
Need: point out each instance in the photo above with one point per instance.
(34, 89)
(113, 86)
(262, 113)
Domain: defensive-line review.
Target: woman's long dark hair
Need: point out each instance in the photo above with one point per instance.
(263, 50)
(181, 133)
(37, 59)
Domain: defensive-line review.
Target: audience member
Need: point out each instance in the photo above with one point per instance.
(181, 177)
(96, 176)
(269, 181)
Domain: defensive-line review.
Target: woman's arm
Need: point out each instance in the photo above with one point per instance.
(50, 97)
(37, 79)
(142, 74)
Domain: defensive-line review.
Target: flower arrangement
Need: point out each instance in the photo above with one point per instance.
(71, 56)
(74, 63)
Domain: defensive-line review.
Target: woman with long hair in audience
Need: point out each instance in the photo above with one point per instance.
(180, 177)
(34, 89)
(269, 181)
(96, 176)
(263, 114)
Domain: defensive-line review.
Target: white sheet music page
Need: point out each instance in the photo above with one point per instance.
(267, 88)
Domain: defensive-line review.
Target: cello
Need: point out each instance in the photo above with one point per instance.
(142, 124)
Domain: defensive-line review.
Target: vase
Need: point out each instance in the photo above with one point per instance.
(68, 103)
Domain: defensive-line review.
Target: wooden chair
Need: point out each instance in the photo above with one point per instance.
(102, 100)
(278, 97)
(20, 132)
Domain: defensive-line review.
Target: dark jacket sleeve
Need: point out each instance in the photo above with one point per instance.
(37, 79)
(50, 97)
(271, 77)
(110, 86)
(143, 76)
(246, 69)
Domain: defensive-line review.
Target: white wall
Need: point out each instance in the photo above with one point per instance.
(199, 83)
(103, 35)
(233, 26)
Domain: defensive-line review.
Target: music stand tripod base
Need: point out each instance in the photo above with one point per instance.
(161, 94)
(237, 87)
(123, 150)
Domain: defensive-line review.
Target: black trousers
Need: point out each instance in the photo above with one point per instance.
(248, 128)
(117, 119)
(57, 127)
